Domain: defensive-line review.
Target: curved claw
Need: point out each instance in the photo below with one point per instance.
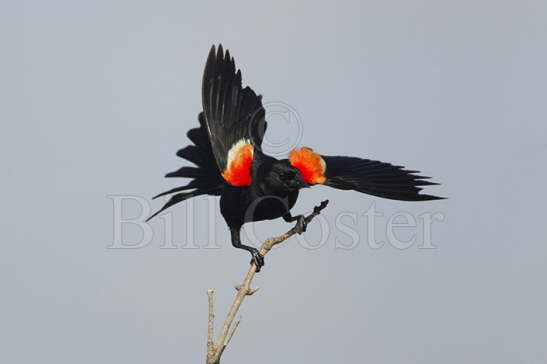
(257, 259)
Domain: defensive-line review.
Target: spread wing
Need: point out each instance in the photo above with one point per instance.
(234, 117)
(362, 175)
(205, 177)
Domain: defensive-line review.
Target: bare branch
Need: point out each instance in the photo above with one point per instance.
(210, 326)
(233, 331)
(250, 292)
(244, 290)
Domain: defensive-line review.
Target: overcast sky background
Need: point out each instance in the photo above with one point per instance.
(98, 97)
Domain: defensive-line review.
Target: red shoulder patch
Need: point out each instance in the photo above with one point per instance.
(310, 164)
(238, 167)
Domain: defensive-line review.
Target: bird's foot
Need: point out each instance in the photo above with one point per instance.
(322, 205)
(301, 225)
(257, 259)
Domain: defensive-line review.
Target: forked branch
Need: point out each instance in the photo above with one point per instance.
(215, 349)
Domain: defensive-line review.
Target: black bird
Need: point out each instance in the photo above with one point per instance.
(253, 186)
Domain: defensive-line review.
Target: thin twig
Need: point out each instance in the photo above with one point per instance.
(244, 289)
(233, 331)
(210, 326)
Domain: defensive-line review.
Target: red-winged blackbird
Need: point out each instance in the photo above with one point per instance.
(254, 186)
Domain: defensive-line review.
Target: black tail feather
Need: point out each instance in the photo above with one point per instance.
(193, 154)
(179, 198)
(189, 186)
(188, 172)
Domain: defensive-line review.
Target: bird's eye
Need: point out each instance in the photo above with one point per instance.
(289, 175)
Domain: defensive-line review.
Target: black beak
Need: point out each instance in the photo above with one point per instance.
(299, 182)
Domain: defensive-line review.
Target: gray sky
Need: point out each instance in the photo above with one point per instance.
(454, 89)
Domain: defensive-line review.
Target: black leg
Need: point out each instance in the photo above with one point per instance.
(301, 224)
(257, 258)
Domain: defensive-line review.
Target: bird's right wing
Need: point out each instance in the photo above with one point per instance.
(234, 116)
(363, 175)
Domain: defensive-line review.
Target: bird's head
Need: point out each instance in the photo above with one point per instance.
(283, 178)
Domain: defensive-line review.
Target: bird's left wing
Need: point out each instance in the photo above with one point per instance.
(205, 177)
(362, 175)
(234, 116)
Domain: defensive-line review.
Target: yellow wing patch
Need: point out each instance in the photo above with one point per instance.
(310, 164)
